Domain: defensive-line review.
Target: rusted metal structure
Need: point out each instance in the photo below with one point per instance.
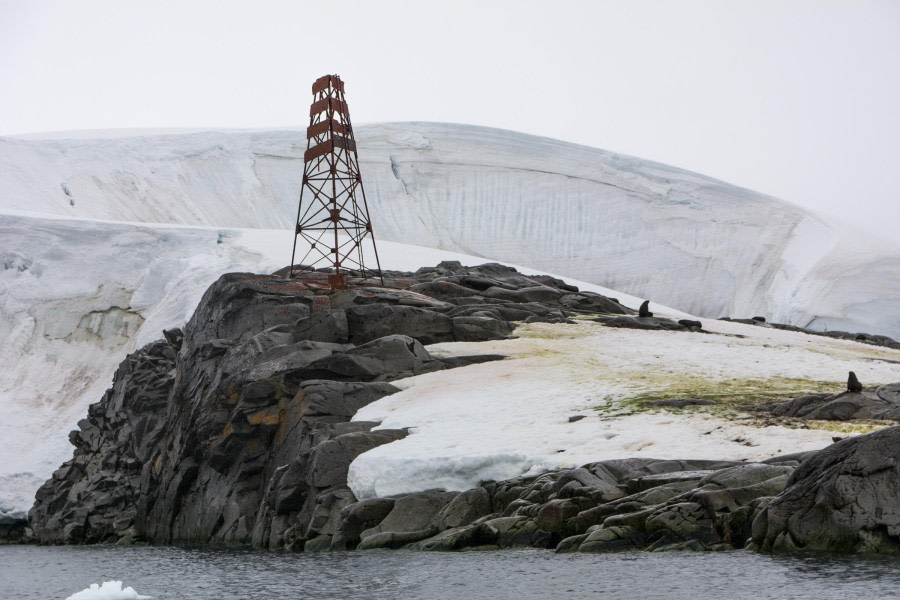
(332, 216)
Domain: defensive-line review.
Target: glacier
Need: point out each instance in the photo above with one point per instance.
(651, 230)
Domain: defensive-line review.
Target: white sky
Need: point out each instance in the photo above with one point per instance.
(798, 99)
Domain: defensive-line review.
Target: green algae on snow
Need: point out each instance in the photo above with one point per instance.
(729, 397)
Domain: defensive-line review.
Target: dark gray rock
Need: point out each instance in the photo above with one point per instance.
(330, 459)
(395, 539)
(465, 508)
(651, 323)
(240, 305)
(388, 296)
(536, 293)
(844, 498)
(413, 513)
(93, 497)
(444, 290)
(479, 329)
(326, 398)
(877, 404)
(330, 326)
(390, 357)
(174, 336)
(372, 321)
(592, 303)
(358, 517)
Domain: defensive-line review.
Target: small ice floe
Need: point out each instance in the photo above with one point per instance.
(108, 590)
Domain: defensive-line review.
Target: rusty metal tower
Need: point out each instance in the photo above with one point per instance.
(330, 217)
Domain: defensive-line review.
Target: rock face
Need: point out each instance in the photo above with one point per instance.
(237, 429)
(845, 498)
(92, 498)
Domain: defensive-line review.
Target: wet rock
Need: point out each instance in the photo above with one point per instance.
(465, 508)
(413, 513)
(395, 539)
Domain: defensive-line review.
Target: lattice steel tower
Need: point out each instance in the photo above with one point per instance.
(330, 217)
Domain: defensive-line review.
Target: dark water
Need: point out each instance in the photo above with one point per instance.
(184, 573)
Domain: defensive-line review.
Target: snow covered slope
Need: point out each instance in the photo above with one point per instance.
(651, 230)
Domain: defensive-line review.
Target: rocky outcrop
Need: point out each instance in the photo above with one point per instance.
(845, 498)
(882, 403)
(237, 429)
(652, 323)
(600, 507)
(864, 338)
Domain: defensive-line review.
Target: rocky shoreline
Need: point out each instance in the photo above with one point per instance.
(238, 430)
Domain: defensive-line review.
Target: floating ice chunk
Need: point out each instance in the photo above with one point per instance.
(108, 590)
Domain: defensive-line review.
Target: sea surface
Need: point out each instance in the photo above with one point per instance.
(202, 573)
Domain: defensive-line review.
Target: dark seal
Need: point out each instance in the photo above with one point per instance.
(853, 384)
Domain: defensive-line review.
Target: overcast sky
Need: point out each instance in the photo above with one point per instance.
(798, 99)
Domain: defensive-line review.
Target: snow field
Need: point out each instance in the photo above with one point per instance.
(499, 420)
